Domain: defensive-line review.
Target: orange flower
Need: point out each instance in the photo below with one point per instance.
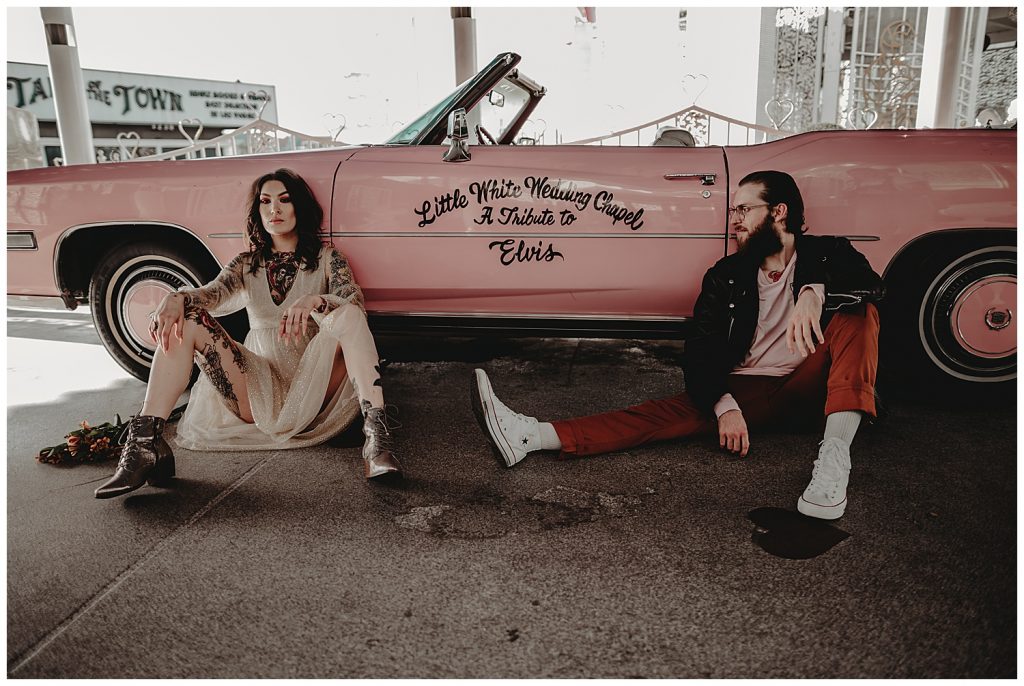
(85, 425)
(100, 445)
(73, 442)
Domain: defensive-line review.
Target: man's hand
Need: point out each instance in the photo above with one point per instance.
(805, 324)
(732, 432)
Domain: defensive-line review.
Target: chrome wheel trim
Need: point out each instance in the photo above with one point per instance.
(936, 329)
(138, 271)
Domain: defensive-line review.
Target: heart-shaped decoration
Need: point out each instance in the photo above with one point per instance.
(262, 97)
(334, 123)
(791, 535)
(122, 143)
(861, 118)
(182, 123)
(779, 111)
(694, 86)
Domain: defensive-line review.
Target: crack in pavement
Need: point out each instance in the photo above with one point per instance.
(18, 662)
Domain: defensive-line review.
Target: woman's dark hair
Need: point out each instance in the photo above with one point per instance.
(308, 218)
(779, 187)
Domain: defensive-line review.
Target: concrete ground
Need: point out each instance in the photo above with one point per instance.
(640, 563)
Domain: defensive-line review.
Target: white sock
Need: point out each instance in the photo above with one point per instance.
(548, 437)
(842, 425)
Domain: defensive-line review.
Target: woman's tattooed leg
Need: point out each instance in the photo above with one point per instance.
(208, 360)
(221, 359)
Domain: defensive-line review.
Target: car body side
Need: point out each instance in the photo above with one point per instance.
(602, 235)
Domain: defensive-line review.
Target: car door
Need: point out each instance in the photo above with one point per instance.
(532, 231)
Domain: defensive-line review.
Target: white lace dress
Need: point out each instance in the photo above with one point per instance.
(286, 381)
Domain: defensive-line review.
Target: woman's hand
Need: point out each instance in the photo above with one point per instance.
(169, 318)
(295, 318)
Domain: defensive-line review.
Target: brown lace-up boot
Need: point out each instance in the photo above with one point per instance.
(377, 455)
(145, 457)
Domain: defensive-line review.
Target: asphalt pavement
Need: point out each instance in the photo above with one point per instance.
(641, 563)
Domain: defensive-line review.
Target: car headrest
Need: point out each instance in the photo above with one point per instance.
(673, 135)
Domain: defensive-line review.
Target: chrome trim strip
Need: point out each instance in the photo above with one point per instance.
(36, 302)
(706, 179)
(462, 234)
(67, 232)
(226, 235)
(549, 316)
(32, 238)
(848, 237)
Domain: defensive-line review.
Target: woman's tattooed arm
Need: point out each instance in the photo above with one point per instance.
(225, 294)
(341, 285)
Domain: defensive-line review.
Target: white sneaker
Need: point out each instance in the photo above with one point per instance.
(825, 496)
(511, 434)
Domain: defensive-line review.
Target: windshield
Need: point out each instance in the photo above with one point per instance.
(409, 133)
(496, 112)
(499, 109)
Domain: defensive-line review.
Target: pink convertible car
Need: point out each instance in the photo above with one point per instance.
(470, 232)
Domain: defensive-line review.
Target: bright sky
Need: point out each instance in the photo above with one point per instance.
(382, 67)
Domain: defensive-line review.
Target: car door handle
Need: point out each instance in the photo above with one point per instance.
(705, 179)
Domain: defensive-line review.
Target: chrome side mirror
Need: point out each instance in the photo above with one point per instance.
(458, 137)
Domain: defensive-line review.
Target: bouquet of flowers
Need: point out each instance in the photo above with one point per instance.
(86, 444)
(93, 443)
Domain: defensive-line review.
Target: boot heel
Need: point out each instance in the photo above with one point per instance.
(162, 472)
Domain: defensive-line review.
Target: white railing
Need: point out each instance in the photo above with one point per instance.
(706, 127)
(256, 137)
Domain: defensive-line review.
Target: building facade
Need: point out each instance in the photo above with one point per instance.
(141, 114)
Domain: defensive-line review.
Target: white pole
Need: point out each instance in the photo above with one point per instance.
(465, 43)
(73, 124)
(936, 108)
(835, 30)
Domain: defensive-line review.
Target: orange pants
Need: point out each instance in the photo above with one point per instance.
(838, 376)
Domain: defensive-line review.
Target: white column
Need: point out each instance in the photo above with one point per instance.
(465, 43)
(835, 31)
(979, 17)
(766, 70)
(68, 86)
(940, 73)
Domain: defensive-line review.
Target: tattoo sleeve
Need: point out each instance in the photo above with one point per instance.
(341, 285)
(225, 294)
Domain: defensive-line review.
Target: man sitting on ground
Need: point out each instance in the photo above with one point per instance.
(785, 330)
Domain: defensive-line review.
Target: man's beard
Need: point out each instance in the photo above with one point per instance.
(762, 241)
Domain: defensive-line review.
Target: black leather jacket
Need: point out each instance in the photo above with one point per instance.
(725, 315)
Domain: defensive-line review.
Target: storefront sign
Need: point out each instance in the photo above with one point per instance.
(122, 98)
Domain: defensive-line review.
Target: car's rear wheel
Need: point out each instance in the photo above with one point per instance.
(130, 283)
(955, 316)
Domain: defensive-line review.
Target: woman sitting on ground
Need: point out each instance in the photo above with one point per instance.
(285, 387)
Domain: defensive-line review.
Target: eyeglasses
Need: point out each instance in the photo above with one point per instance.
(741, 210)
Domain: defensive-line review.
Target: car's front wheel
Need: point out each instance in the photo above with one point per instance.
(130, 283)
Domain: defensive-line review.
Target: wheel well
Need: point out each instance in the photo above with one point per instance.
(911, 255)
(80, 252)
